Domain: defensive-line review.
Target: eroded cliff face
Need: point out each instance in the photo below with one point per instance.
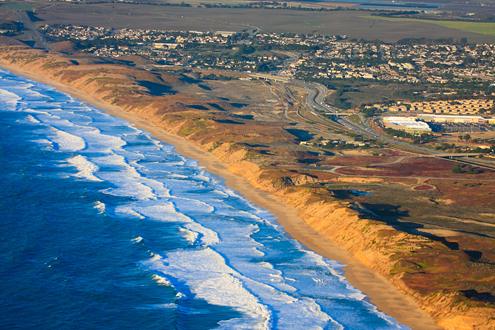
(399, 256)
(390, 252)
(407, 260)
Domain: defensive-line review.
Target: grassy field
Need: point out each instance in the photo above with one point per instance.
(350, 23)
(18, 6)
(358, 93)
(474, 27)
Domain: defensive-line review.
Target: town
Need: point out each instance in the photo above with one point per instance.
(314, 56)
(323, 59)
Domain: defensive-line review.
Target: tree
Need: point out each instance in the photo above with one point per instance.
(467, 137)
(471, 170)
(368, 112)
(457, 169)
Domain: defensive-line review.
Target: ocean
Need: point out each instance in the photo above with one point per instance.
(105, 227)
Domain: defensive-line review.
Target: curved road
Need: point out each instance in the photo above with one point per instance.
(315, 100)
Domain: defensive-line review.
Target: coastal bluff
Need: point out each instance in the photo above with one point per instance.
(423, 268)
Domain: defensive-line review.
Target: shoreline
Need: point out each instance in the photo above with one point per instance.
(380, 291)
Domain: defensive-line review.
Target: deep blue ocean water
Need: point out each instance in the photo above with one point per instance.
(105, 227)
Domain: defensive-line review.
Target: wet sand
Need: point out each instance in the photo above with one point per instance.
(380, 291)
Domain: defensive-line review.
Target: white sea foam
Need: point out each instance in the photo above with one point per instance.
(128, 211)
(102, 142)
(8, 100)
(38, 112)
(187, 205)
(127, 186)
(29, 120)
(161, 280)
(86, 168)
(204, 236)
(46, 143)
(101, 207)
(209, 278)
(202, 176)
(67, 142)
(163, 211)
(158, 189)
(31, 94)
(189, 235)
(120, 162)
(138, 239)
(53, 115)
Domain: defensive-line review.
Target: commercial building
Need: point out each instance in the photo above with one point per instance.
(406, 124)
(452, 119)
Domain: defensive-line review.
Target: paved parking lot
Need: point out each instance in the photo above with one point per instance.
(462, 128)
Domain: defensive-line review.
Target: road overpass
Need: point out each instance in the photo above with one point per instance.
(457, 155)
(337, 114)
(270, 77)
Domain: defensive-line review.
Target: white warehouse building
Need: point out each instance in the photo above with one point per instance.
(452, 119)
(407, 124)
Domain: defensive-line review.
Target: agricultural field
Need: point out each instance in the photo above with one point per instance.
(351, 23)
(485, 28)
(19, 6)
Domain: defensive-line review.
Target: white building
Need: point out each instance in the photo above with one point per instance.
(451, 119)
(407, 124)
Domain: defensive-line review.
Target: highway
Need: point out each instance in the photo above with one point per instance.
(315, 105)
(315, 101)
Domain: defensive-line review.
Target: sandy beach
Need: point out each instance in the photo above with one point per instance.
(381, 292)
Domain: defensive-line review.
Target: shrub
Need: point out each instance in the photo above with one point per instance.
(457, 169)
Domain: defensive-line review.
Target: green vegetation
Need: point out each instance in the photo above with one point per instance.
(471, 170)
(356, 119)
(18, 6)
(417, 139)
(11, 26)
(51, 65)
(339, 101)
(457, 169)
(212, 76)
(486, 28)
(368, 112)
